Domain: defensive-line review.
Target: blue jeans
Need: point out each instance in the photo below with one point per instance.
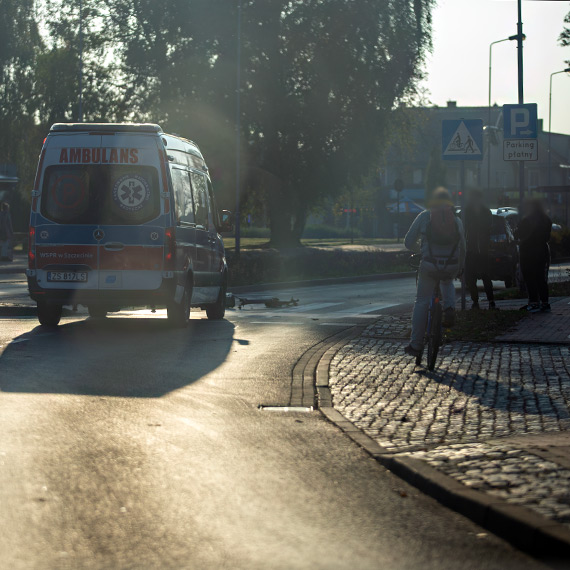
(426, 285)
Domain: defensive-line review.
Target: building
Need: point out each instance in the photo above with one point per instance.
(548, 176)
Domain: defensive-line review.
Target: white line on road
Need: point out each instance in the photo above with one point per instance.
(366, 309)
(275, 323)
(311, 307)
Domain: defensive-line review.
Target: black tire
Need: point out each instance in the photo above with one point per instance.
(179, 313)
(96, 312)
(434, 336)
(49, 315)
(217, 310)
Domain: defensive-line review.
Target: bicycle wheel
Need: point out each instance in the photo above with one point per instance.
(434, 335)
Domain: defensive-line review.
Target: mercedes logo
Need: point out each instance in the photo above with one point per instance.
(98, 235)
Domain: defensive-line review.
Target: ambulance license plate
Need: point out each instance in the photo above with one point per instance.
(67, 276)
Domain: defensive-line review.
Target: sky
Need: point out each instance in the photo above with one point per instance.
(458, 69)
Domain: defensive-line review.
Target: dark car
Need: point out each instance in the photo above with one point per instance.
(503, 250)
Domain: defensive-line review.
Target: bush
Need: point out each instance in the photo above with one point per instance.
(560, 244)
(324, 231)
(254, 232)
(271, 265)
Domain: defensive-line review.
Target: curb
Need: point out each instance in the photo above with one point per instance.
(522, 527)
(316, 282)
(18, 311)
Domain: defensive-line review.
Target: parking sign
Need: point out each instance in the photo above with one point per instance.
(520, 121)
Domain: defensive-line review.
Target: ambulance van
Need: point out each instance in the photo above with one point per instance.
(124, 215)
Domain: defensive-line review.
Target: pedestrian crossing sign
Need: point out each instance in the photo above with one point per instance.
(462, 139)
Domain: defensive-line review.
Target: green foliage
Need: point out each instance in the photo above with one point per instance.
(436, 171)
(271, 265)
(324, 231)
(320, 81)
(564, 38)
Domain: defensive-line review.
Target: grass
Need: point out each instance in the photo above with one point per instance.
(482, 326)
(556, 289)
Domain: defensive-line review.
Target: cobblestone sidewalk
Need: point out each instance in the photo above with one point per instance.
(489, 416)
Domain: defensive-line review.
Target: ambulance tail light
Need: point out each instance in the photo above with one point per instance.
(32, 248)
(169, 246)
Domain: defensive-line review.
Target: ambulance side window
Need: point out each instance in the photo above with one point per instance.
(200, 192)
(215, 215)
(182, 196)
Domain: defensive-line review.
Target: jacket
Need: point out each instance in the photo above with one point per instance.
(477, 224)
(416, 240)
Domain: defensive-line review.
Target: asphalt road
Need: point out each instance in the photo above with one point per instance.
(124, 444)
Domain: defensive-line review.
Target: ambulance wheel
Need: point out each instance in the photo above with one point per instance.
(49, 315)
(217, 310)
(179, 313)
(96, 312)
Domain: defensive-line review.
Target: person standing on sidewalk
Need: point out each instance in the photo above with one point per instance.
(6, 233)
(477, 220)
(442, 245)
(533, 232)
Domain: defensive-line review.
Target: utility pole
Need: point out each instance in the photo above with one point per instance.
(567, 70)
(520, 39)
(80, 109)
(238, 130)
(510, 38)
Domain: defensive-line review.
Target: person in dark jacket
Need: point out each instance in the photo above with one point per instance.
(477, 220)
(533, 232)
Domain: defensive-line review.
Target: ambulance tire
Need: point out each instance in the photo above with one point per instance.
(217, 310)
(179, 313)
(96, 312)
(49, 315)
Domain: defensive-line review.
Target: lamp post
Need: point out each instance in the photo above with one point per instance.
(520, 37)
(510, 38)
(238, 131)
(80, 109)
(567, 70)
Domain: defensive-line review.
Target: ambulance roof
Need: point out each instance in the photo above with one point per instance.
(106, 127)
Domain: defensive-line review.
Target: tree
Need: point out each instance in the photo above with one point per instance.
(319, 82)
(564, 37)
(436, 171)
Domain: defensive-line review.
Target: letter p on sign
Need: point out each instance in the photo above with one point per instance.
(520, 121)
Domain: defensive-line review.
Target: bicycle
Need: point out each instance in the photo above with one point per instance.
(434, 329)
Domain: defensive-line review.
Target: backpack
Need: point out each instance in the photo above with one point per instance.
(442, 227)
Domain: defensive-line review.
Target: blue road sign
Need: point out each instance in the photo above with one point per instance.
(462, 139)
(520, 121)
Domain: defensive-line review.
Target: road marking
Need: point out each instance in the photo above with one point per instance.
(285, 409)
(362, 310)
(275, 323)
(312, 307)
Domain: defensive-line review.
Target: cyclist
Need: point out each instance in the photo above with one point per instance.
(442, 246)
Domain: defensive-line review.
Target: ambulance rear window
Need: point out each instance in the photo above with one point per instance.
(101, 194)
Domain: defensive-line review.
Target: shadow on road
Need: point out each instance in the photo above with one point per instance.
(134, 358)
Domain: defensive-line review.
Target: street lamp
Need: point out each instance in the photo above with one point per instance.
(80, 109)
(510, 38)
(550, 121)
(238, 132)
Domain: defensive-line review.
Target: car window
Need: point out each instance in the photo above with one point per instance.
(183, 196)
(213, 207)
(100, 194)
(200, 192)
